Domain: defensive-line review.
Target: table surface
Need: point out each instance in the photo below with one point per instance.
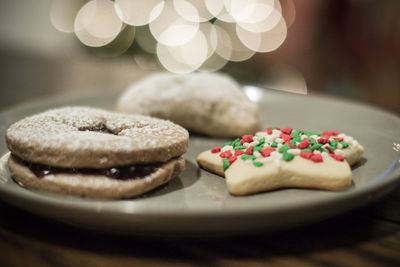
(369, 236)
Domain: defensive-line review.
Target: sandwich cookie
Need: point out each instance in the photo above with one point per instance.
(91, 152)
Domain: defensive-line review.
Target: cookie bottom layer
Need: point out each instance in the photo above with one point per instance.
(96, 186)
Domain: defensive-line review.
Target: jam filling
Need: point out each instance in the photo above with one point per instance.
(120, 173)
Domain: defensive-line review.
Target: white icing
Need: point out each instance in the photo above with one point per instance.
(348, 139)
(276, 132)
(324, 154)
(254, 143)
(257, 154)
(339, 152)
(227, 147)
(294, 151)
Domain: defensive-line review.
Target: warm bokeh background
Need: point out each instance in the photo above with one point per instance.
(348, 48)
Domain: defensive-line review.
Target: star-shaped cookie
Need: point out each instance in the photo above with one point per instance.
(284, 158)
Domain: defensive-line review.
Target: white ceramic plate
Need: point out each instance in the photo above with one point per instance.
(197, 202)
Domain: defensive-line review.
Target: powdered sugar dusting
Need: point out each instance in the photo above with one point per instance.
(204, 102)
(95, 133)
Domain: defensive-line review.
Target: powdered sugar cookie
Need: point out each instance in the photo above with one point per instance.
(211, 104)
(282, 158)
(91, 152)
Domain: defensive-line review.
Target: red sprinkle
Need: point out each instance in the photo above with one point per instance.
(337, 157)
(249, 151)
(232, 159)
(329, 149)
(287, 130)
(328, 134)
(226, 154)
(239, 152)
(216, 149)
(323, 140)
(285, 137)
(316, 158)
(306, 155)
(247, 138)
(266, 151)
(269, 131)
(340, 139)
(303, 144)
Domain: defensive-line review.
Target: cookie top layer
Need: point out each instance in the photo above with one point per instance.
(207, 103)
(285, 144)
(79, 137)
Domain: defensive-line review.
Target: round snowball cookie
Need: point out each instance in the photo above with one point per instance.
(211, 104)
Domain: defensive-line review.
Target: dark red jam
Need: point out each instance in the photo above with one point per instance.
(119, 173)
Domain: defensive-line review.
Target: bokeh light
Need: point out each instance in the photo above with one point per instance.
(263, 42)
(210, 33)
(169, 62)
(139, 12)
(185, 35)
(263, 18)
(171, 29)
(214, 63)
(119, 45)
(97, 23)
(283, 77)
(194, 52)
(229, 41)
(62, 14)
(193, 10)
(214, 6)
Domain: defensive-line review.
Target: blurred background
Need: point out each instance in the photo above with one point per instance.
(346, 48)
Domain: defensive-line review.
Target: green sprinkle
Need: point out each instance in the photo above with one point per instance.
(262, 141)
(227, 143)
(316, 147)
(240, 147)
(344, 144)
(293, 142)
(295, 133)
(258, 164)
(333, 144)
(324, 150)
(274, 144)
(248, 157)
(225, 163)
(287, 156)
(297, 139)
(306, 150)
(309, 133)
(312, 141)
(236, 142)
(283, 148)
(257, 148)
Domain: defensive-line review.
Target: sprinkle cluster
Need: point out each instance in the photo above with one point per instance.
(278, 144)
